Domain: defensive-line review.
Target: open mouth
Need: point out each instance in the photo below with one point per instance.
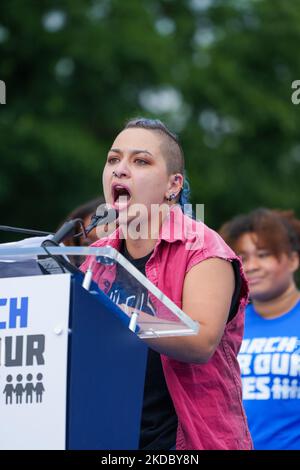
(121, 195)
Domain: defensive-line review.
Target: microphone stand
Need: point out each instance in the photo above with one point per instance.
(62, 233)
(38, 233)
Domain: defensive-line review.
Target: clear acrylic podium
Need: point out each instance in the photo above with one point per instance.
(102, 363)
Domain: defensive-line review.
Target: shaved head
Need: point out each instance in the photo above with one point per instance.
(170, 147)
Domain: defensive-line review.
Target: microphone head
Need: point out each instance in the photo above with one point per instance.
(65, 231)
(104, 215)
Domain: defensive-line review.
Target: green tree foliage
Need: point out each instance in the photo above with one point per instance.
(218, 72)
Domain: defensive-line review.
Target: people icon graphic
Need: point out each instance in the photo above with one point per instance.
(29, 388)
(16, 392)
(9, 390)
(39, 388)
(19, 389)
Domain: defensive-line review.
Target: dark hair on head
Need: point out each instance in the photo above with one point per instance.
(276, 230)
(170, 146)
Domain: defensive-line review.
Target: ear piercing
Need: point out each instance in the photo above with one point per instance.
(172, 197)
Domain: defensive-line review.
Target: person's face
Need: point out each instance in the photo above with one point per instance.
(136, 172)
(268, 276)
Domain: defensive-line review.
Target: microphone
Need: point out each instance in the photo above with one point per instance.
(53, 264)
(104, 215)
(65, 231)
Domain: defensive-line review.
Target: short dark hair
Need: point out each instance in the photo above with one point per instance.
(170, 146)
(276, 230)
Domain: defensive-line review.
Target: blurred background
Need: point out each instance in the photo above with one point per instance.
(218, 72)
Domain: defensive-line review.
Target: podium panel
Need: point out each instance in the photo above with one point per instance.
(34, 314)
(107, 365)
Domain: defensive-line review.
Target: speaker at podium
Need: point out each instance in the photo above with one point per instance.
(73, 360)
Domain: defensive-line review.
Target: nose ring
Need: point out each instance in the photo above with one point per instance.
(114, 173)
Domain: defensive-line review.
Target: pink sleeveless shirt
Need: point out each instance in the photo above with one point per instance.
(207, 397)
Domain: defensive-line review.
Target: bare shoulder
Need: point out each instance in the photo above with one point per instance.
(209, 286)
(211, 269)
